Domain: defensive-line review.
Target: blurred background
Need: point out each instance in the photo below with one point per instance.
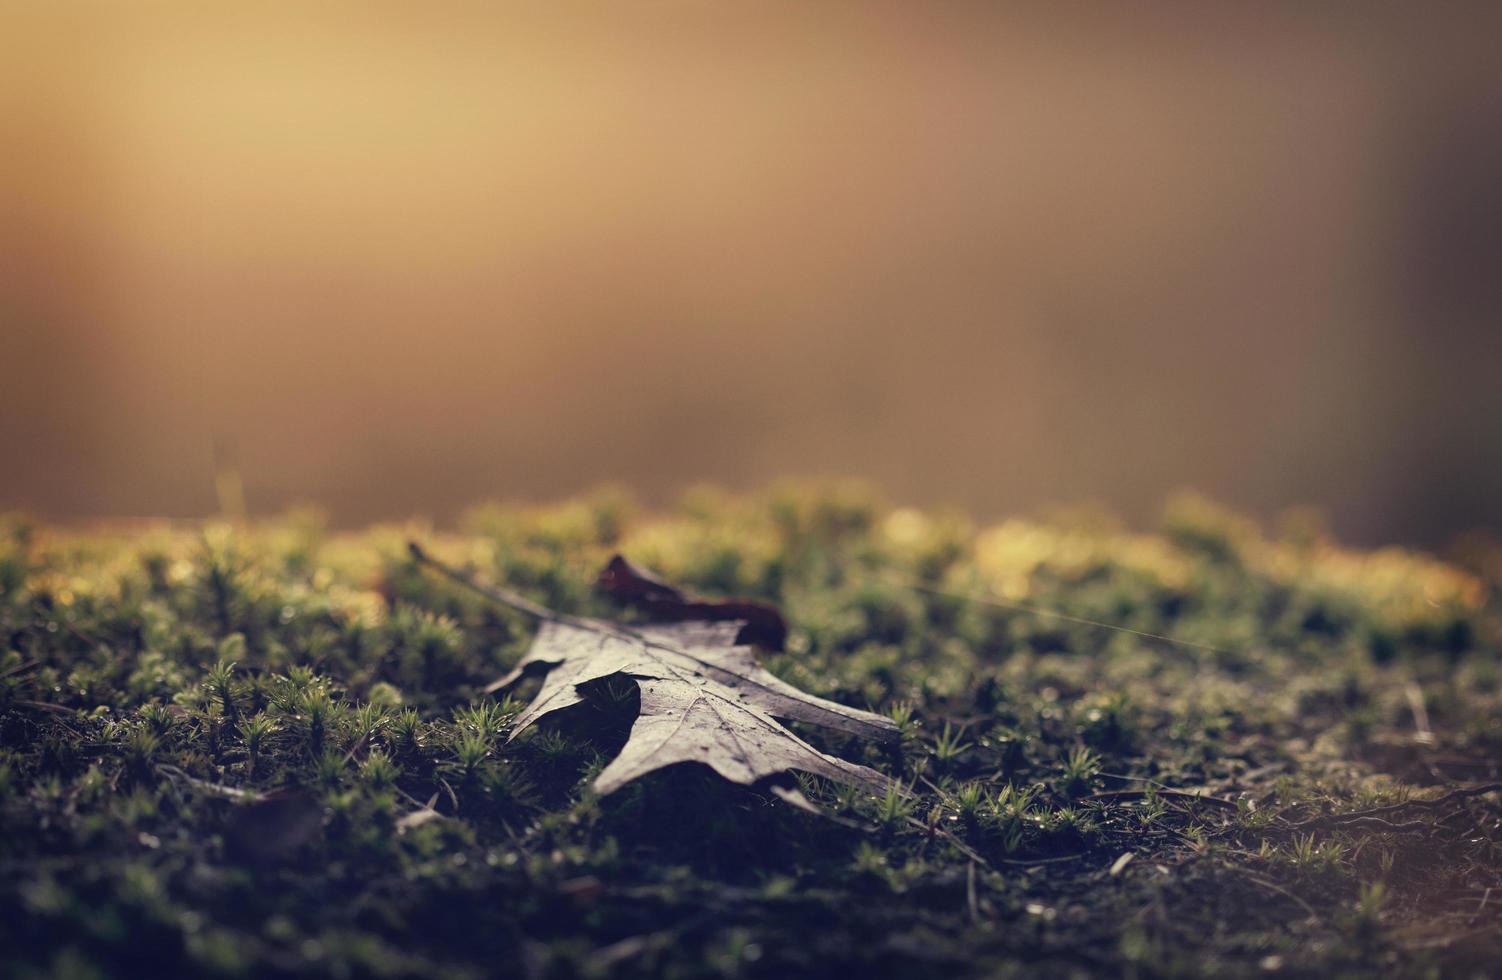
(394, 259)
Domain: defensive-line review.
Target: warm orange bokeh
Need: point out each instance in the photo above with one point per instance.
(406, 260)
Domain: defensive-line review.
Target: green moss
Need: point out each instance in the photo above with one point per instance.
(267, 750)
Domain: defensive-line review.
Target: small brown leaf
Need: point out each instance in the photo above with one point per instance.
(627, 581)
(633, 585)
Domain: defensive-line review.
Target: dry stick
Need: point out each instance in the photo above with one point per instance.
(415, 801)
(494, 592)
(1377, 824)
(359, 744)
(44, 706)
(219, 790)
(990, 863)
(1178, 794)
(18, 668)
(1038, 862)
(453, 797)
(1374, 816)
(959, 845)
(970, 852)
(1135, 779)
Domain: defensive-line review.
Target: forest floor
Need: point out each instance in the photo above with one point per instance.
(265, 750)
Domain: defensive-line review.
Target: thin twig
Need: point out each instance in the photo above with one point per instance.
(493, 592)
(18, 668)
(1037, 862)
(959, 845)
(453, 797)
(1133, 794)
(44, 706)
(220, 790)
(356, 747)
(1377, 813)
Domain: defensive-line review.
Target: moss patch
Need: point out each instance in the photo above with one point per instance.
(263, 750)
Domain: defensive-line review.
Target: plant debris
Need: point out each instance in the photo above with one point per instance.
(629, 583)
(704, 698)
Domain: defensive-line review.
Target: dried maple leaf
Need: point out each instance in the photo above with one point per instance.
(704, 698)
(635, 586)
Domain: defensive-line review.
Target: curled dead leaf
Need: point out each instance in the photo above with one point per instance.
(629, 583)
(704, 697)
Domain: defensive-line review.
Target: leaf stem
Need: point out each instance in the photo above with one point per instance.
(504, 596)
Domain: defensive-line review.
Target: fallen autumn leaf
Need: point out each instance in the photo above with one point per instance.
(704, 698)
